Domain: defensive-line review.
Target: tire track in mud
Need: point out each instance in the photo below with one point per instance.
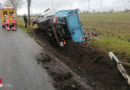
(64, 77)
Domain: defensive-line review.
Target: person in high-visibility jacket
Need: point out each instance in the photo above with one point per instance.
(7, 22)
(14, 22)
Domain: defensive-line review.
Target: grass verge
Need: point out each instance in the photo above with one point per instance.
(119, 47)
(115, 29)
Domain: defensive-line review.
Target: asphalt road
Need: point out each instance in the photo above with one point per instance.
(18, 67)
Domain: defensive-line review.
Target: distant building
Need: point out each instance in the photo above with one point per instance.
(127, 11)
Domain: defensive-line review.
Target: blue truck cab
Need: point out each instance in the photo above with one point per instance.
(73, 23)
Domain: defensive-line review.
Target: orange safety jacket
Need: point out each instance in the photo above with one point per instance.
(7, 20)
(14, 19)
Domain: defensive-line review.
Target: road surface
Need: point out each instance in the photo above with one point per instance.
(18, 67)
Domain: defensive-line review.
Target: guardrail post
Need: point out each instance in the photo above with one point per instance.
(120, 67)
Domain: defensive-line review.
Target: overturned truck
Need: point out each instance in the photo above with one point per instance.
(61, 26)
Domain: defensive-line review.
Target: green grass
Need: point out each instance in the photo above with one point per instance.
(115, 29)
(119, 47)
(21, 25)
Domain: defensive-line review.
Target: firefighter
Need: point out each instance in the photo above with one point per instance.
(14, 22)
(7, 23)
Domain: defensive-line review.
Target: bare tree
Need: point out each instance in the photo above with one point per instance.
(13, 3)
(28, 5)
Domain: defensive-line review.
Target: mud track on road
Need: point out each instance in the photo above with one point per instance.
(92, 64)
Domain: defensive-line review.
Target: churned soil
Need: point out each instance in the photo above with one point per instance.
(91, 64)
(64, 78)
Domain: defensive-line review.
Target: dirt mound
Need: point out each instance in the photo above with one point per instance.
(93, 65)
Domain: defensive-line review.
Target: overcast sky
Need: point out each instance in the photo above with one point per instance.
(40, 5)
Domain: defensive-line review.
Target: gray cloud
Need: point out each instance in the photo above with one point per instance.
(40, 5)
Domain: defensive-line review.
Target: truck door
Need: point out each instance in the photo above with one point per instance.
(75, 27)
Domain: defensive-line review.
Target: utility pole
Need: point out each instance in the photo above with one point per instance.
(101, 5)
(88, 6)
(29, 16)
(71, 6)
(128, 4)
(51, 3)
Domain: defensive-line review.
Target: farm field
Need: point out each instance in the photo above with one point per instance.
(114, 28)
(115, 31)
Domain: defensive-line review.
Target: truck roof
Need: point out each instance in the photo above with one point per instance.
(6, 8)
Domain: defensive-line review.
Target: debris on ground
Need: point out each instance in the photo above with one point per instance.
(90, 35)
